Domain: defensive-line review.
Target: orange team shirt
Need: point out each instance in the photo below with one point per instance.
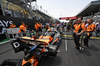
(46, 26)
(94, 26)
(22, 27)
(40, 25)
(12, 26)
(53, 25)
(79, 26)
(36, 26)
(90, 28)
(83, 26)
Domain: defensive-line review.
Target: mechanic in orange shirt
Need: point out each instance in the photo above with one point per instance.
(37, 27)
(40, 26)
(12, 26)
(22, 27)
(79, 29)
(89, 30)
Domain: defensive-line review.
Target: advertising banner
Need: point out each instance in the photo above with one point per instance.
(5, 22)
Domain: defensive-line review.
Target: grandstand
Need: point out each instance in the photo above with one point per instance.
(23, 9)
(92, 10)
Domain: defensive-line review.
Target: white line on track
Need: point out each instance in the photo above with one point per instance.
(65, 43)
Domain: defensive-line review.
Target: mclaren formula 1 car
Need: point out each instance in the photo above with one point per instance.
(46, 45)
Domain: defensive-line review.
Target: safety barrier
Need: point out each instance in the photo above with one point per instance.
(13, 33)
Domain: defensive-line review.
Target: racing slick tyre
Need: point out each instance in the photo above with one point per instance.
(53, 50)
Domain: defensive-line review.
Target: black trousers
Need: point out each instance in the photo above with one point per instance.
(40, 29)
(76, 40)
(97, 32)
(86, 39)
(68, 28)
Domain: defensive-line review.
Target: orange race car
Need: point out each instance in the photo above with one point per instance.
(34, 49)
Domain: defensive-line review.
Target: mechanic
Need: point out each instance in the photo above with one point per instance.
(53, 25)
(79, 29)
(40, 26)
(37, 27)
(12, 26)
(22, 29)
(89, 30)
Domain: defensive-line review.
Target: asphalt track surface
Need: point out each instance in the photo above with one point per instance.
(66, 57)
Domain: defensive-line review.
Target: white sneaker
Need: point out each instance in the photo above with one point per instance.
(58, 51)
(82, 48)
